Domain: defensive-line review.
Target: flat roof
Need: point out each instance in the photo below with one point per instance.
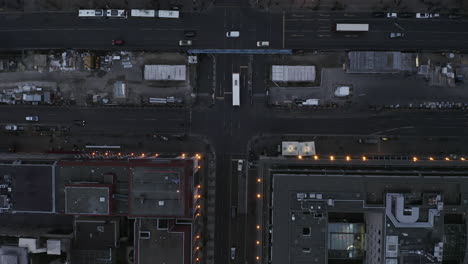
(162, 246)
(89, 200)
(165, 73)
(315, 195)
(158, 191)
(32, 189)
(292, 73)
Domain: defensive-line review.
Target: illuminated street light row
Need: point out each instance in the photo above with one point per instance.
(364, 158)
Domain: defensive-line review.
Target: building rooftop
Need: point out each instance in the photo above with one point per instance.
(31, 187)
(292, 73)
(165, 73)
(161, 187)
(89, 199)
(95, 241)
(162, 245)
(376, 215)
(380, 62)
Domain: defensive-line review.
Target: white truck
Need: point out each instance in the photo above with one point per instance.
(168, 14)
(91, 13)
(352, 27)
(142, 13)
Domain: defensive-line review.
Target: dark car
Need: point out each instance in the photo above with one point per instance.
(378, 14)
(190, 34)
(406, 14)
(117, 42)
(455, 16)
(79, 122)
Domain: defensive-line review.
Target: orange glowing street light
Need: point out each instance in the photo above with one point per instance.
(258, 242)
(431, 158)
(258, 227)
(415, 159)
(259, 196)
(259, 180)
(299, 157)
(462, 158)
(364, 158)
(348, 158)
(316, 157)
(332, 158)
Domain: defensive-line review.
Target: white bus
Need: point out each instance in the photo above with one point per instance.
(116, 13)
(90, 13)
(168, 13)
(352, 27)
(235, 89)
(143, 13)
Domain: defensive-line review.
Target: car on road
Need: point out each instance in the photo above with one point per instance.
(185, 42)
(378, 14)
(240, 165)
(392, 15)
(455, 16)
(233, 211)
(422, 15)
(11, 127)
(233, 34)
(397, 35)
(427, 15)
(406, 14)
(118, 42)
(79, 122)
(190, 33)
(32, 118)
(233, 253)
(263, 43)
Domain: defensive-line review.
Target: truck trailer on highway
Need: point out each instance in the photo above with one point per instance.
(168, 14)
(352, 27)
(143, 13)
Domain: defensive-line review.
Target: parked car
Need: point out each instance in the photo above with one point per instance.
(378, 14)
(11, 127)
(392, 15)
(117, 42)
(455, 16)
(427, 15)
(185, 43)
(263, 43)
(397, 35)
(233, 34)
(190, 34)
(79, 122)
(406, 14)
(423, 15)
(32, 118)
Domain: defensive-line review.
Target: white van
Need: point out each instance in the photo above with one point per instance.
(233, 34)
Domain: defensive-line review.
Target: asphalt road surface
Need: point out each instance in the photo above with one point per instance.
(230, 128)
(284, 30)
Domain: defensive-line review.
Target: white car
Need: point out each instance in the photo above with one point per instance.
(423, 15)
(240, 165)
(263, 43)
(392, 15)
(185, 43)
(11, 127)
(32, 118)
(233, 34)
